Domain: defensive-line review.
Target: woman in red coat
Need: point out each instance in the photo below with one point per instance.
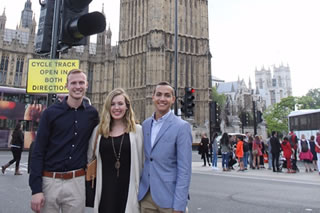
(287, 152)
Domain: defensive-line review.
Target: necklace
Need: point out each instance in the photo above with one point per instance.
(117, 156)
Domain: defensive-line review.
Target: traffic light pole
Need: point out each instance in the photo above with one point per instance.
(254, 117)
(176, 57)
(54, 40)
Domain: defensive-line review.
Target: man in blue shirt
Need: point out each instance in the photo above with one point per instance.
(57, 175)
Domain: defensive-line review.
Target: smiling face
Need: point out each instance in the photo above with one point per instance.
(77, 85)
(163, 99)
(118, 107)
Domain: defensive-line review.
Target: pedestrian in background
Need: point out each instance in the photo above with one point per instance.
(314, 153)
(256, 152)
(59, 157)
(275, 150)
(239, 153)
(246, 153)
(263, 152)
(317, 148)
(305, 153)
(287, 152)
(225, 151)
(204, 147)
(214, 148)
(17, 143)
(119, 154)
(269, 154)
(293, 139)
(250, 142)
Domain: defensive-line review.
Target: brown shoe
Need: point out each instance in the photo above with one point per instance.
(3, 168)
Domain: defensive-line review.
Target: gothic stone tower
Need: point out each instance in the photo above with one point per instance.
(146, 52)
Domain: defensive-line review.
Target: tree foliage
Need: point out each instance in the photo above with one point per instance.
(276, 116)
(219, 98)
(310, 101)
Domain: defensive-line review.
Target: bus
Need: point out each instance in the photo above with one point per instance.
(18, 106)
(306, 121)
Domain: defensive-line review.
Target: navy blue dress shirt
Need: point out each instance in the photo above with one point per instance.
(62, 140)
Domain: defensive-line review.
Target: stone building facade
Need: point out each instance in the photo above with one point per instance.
(143, 57)
(273, 88)
(146, 52)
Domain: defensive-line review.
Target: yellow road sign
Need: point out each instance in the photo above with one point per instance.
(49, 75)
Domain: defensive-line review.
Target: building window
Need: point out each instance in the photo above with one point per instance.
(260, 83)
(273, 97)
(19, 70)
(274, 82)
(279, 81)
(4, 69)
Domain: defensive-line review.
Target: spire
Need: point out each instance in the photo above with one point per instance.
(250, 83)
(4, 12)
(109, 33)
(26, 15)
(102, 11)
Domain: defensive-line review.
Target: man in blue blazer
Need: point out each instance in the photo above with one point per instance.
(165, 180)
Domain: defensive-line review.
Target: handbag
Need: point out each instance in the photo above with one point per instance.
(255, 152)
(91, 174)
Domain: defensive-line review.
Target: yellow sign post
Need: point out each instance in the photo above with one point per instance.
(49, 75)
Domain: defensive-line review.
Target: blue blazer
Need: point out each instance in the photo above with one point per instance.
(167, 167)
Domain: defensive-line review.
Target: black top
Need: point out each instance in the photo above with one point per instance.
(17, 138)
(275, 145)
(62, 140)
(115, 189)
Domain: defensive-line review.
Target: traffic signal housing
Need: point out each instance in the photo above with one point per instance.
(259, 116)
(245, 119)
(44, 34)
(188, 101)
(77, 23)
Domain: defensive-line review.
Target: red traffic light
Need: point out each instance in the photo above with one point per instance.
(190, 90)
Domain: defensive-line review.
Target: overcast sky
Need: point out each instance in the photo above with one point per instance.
(244, 35)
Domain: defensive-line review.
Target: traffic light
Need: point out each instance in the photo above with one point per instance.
(188, 101)
(259, 117)
(44, 34)
(245, 119)
(217, 114)
(77, 23)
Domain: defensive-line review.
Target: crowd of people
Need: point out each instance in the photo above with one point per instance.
(253, 152)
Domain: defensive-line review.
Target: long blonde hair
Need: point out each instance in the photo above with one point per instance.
(105, 125)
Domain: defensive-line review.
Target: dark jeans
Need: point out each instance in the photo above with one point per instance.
(16, 152)
(275, 161)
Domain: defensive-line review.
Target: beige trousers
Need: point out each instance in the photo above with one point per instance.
(65, 196)
(147, 205)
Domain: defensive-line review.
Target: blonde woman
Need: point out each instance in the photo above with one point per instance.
(119, 153)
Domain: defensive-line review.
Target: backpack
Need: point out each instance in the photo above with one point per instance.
(304, 146)
(293, 141)
(245, 147)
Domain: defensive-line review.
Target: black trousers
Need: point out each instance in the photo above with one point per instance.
(205, 156)
(275, 161)
(16, 152)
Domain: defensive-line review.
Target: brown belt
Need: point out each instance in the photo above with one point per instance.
(64, 175)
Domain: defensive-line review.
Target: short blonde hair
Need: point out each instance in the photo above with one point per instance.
(75, 71)
(105, 125)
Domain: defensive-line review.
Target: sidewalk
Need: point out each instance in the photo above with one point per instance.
(264, 174)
